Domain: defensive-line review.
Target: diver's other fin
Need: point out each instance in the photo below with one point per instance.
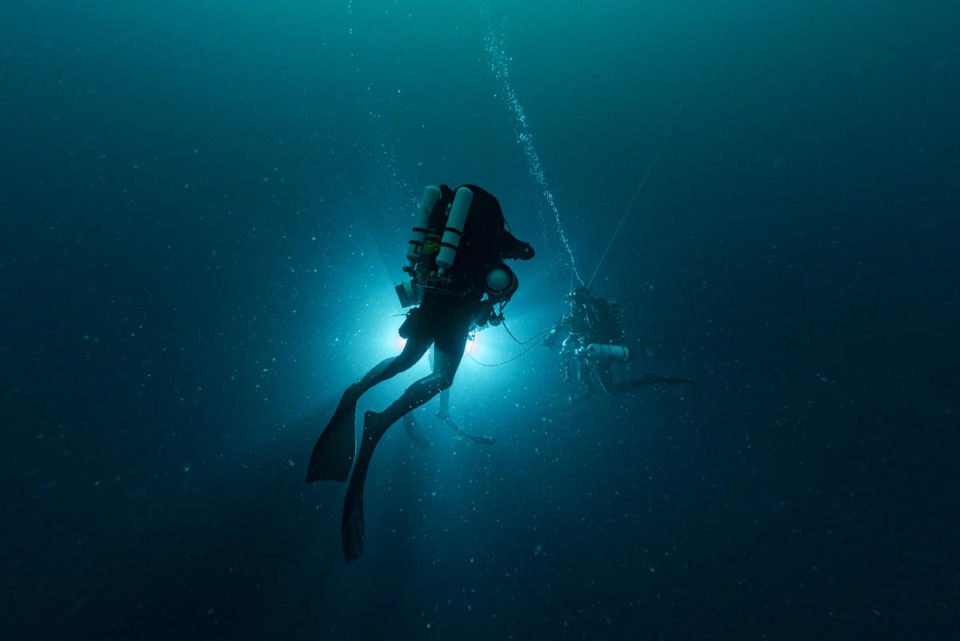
(333, 454)
(483, 440)
(412, 429)
(647, 379)
(351, 528)
(476, 438)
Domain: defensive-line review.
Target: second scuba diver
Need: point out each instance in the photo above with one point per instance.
(594, 341)
(459, 241)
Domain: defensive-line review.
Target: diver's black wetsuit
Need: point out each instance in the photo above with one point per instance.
(443, 320)
(588, 321)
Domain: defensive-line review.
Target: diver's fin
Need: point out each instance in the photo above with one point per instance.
(352, 525)
(333, 454)
(647, 379)
(413, 431)
(483, 440)
(351, 528)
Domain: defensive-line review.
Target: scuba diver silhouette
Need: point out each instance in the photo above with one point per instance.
(594, 341)
(460, 238)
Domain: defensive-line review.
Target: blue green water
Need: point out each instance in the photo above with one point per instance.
(204, 207)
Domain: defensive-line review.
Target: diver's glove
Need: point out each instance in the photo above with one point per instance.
(551, 339)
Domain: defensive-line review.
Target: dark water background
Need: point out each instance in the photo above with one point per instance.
(204, 207)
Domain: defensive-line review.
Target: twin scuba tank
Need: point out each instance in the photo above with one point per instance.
(431, 252)
(603, 352)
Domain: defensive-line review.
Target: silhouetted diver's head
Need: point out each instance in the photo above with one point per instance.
(580, 294)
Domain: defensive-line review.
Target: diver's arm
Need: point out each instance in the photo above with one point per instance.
(484, 313)
(551, 338)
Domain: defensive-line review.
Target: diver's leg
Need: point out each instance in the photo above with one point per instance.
(570, 368)
(444, 412)
(578, 382)
(412, 428)
(447, 355)
(333, 454)
(410, 425)
(590, 375)
(444, 415)
(412, 352)
(567, 359)
(446, 361)
(605, 378)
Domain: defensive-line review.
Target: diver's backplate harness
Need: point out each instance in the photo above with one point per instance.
(432, 251)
